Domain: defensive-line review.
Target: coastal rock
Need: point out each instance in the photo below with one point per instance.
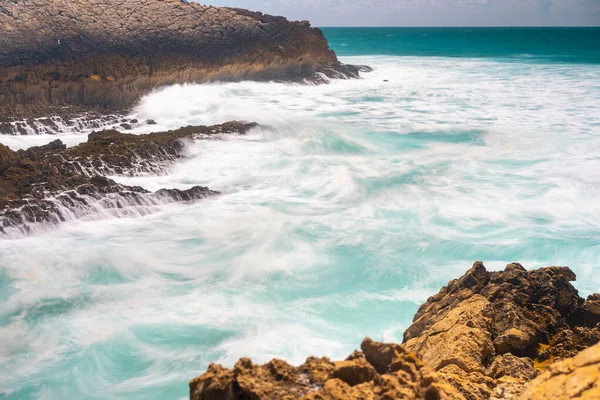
(499, 325)
(67, 122)
(573, 378)
(105, 54)
(484, 336)
(382, 371)
(7, 157)
(52, 183)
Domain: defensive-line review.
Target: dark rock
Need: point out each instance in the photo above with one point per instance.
(151, 122)
(101, 55)
(8, 158)
(52, 183)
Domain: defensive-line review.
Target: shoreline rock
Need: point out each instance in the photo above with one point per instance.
(484, 336)
(48, 184)
(574, 378)
(68, 123)
(59, 56)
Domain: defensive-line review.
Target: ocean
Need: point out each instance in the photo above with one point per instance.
(340, 215)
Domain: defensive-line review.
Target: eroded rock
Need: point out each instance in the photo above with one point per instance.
(52, 183)
(573, 378)
(486, 331)
(105, 54)
(484, 336)
(384, 371)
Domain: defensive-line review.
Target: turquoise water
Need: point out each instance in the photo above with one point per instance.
(560, 45)
(351, 205)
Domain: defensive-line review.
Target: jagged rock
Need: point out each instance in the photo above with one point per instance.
(52, 183)
(570, 341)
(460, 338)
(384, 371)
(512, 366)
(7, 157)
(483, 331)
(105, 54)
(472, 385)
(482, 337)
(574, 378)
(354, 371)
(68, 121)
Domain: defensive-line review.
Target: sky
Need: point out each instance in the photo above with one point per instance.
(428, 12)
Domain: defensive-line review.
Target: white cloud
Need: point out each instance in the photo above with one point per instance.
(429, 12)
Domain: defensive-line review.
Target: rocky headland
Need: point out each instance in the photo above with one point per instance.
(52, 183)
(63, 57)
(512, 334)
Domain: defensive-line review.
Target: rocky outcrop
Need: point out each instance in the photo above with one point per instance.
(574, 378)
(483, 336)
(379, 371)
(488, 322)
(51, 183)
(105, 54)
(70, 123)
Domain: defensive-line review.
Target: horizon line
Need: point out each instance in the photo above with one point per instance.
(457, 26)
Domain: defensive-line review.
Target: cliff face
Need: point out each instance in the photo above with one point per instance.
(105, 54)
(484, 336)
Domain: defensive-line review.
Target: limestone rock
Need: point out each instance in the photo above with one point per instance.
(484, 331)
(484, 336)
(512, 366)
(473, 385)
(382, 372)
(461, 338)
(574, 378)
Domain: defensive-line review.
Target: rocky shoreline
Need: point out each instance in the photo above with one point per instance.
(52, 183)
(61, 57)
(512, 334)
(70, 124)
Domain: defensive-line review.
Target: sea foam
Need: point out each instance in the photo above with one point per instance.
(350, 205)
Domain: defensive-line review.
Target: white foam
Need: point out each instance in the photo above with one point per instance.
(356, 202)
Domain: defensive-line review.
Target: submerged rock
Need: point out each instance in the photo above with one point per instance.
(105, 54)
(52, 183)
(483, 336)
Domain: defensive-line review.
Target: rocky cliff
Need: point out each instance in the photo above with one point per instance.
(484, 336)
(105, 54)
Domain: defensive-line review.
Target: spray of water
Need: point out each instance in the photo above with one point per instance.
(353, 197)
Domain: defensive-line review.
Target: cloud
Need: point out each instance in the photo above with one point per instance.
(429, 12)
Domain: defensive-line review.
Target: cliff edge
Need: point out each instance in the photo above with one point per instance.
(58, 56)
